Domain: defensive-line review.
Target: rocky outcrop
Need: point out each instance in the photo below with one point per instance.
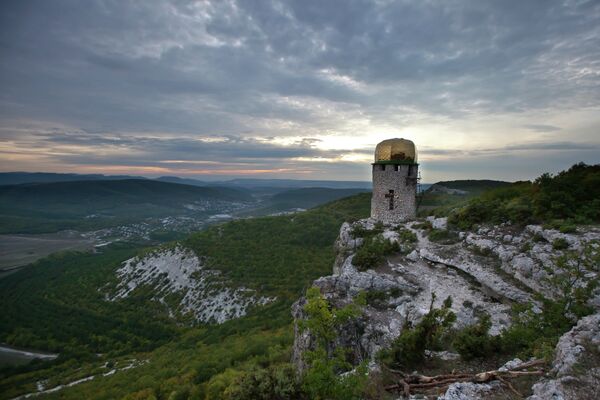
(484, 271)
(407, 284)
(576, 368)
(469, 391)
(180, 281)
(529, 255)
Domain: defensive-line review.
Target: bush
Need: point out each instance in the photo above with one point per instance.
(426, 225)
(443, 236)
(359, 231)
(560, 244)
(406, 236)
(567, 228)
(322, 380)
(475, 341)
(377, 298)
(373, 252)
(278, 381)
(572, 195)
(482, 251)
(536, 333)
(408, 350)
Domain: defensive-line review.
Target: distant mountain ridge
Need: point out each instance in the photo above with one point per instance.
(182, 181)
(297, 183)
(86, 205)
(472, 185)
(124, 190)
(311, 197)
(15, 178)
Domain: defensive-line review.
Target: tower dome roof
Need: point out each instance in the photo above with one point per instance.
(396, 151)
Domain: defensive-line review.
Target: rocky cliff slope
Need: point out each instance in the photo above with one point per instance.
(178, 279)
(484, 272)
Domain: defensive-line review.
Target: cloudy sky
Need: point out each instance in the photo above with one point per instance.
(298, 89)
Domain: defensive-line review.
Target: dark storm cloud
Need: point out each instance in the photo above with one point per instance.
(252, 68)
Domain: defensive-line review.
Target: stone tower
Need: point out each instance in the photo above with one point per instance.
(395, 173)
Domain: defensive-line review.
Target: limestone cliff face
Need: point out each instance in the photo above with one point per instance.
(484, 271)
(576, 367)
(181, 276)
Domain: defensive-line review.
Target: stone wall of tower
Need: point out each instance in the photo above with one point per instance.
(402, 179)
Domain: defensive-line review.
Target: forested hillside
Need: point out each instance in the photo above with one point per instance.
(86, 205)
(567, 198)
(278, 256)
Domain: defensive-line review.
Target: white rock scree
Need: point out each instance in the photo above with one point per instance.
(204, 293)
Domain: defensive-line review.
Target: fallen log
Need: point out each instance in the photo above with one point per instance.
(419, 383)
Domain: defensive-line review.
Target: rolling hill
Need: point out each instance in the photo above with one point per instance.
(311, 197)
(17, 178)
(48, 207)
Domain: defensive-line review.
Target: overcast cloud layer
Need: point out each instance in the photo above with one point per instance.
(298, 89)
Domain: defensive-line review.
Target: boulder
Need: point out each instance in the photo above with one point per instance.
(576, 367)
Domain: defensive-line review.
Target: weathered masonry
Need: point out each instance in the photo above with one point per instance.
(395, 176)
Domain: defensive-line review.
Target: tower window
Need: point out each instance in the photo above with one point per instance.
(390, 197)
(395, 167)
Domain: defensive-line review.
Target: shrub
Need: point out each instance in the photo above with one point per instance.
(373, 252)
(408, 350)
(560, 244)
(275, 382)
(377, 298)
(482, 251)
(322, 380)
(359, 231)
(426, 225)
(536, 333)
(406, 236)
(443, 236)
(567, 228)
(526, 247)
(572, 195)
(475, 341)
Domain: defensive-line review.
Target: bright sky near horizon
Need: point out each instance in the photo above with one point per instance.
(298, 89)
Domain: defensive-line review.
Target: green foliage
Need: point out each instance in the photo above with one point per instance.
(51, 207)
(408, 350)
(359, 231)
(278, 256)
(482, 251)
(572, 195)
(567, 227)
(560, 244)
(440, 200)
(308, 197)
(443, 236)
(536, 332)
(426, 225)
(405, 235)
(377, 298)
(322, 380)
(277, 381)
(55, 305)
(496, 206)
(475, 341)
(373, 252)
(320, 319)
